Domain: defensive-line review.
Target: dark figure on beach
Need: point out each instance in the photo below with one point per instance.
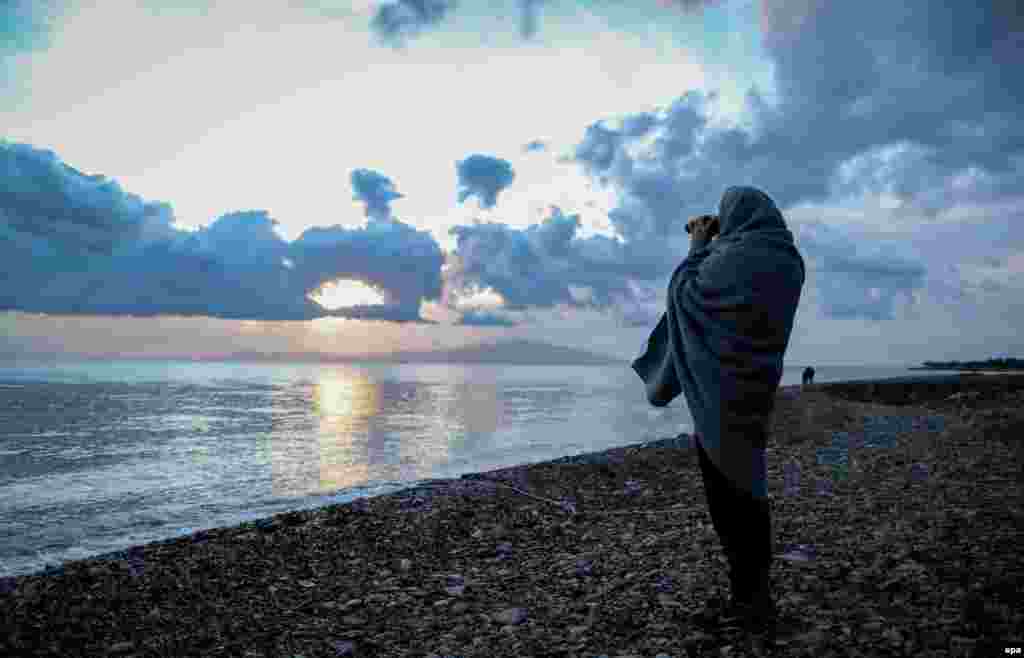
(721, 342)
(808, 375)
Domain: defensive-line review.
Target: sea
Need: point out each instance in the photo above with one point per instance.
(96, 456)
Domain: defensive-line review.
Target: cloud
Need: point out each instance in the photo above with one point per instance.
(545, 265)
(395, 22)
(78, 244)
(920, 122)
(664, 167)
(687, 5)
(484, 319)
(528, 16)
(534, 145)
(376, 191)
(884, 101)
(908, 79)
(25, 25)
(403, 264)
(859, 281)
(44, 198)
(483, 177)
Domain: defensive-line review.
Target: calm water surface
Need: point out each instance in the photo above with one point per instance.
(96, 457)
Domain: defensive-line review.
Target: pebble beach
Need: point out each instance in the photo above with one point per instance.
(896, 526)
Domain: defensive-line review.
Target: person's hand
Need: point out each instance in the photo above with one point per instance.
(702, 227)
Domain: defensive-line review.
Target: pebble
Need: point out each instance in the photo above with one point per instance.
(352, 603)
(667, 601)
(814, 637)
(878, 432)
(455, 585)
(510, 616)
(893, 636)
(791, 478)
(121, 647)
(266, 524)
(584, 568)
(691, 641)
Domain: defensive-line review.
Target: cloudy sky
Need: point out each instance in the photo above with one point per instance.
(357, 177)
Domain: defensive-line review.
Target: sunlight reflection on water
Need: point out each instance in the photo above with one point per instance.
(131, 454)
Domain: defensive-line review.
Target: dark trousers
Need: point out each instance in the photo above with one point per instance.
(743, 524)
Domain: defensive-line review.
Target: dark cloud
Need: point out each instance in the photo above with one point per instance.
(865, 105)
(25, 24)
(403, 264)
(396, 22)
(376, 191)
(909, 78)
(545, 265)
(528, 16)
(681, 175)
(535, 145)
(243, 237)
(484, 319)
(44, 198)
(857, 281)
(871, 99)
(73, 243)
(483, 177)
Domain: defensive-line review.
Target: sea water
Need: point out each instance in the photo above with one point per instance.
(97, 457)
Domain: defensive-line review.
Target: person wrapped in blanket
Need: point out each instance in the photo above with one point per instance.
(721, 342)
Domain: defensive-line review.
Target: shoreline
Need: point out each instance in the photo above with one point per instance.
(593, 458)
(468, 567)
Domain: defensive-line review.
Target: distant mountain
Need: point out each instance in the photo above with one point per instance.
(513, 351)
(509, 351)
(990, 364)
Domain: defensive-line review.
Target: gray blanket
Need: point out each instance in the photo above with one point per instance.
(722, 339)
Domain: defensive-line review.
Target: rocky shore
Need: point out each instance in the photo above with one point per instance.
(908, 545)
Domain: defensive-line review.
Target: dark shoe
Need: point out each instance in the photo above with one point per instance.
(751, 617)
(745, 615)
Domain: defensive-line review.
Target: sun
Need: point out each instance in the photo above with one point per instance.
(344, 293)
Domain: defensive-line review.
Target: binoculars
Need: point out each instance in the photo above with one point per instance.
(713, 219)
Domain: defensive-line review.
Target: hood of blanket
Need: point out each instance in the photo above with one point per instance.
(745, 210)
